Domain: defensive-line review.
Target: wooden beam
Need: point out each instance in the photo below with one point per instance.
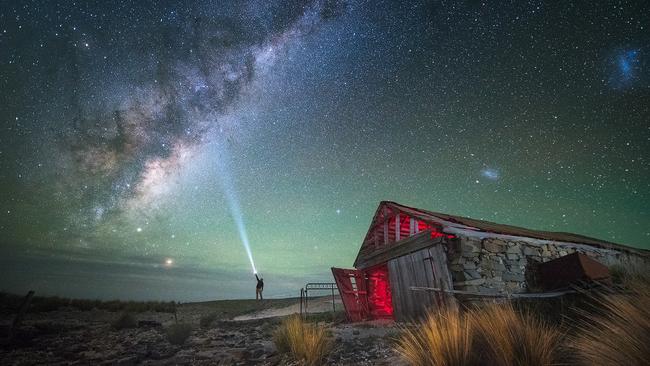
(385, 229)
(375, 238)
(406, 246)
(398, 227)
(538, 295)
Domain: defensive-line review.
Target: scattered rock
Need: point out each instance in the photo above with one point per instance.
(149, 324)
(127, 361)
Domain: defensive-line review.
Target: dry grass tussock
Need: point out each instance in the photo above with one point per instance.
(617, 331)
(124, 321)
(508, 337)
(442, 339)
(491, 335)
(307, 343)
(178, 333)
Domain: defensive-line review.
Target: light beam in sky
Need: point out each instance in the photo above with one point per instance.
(232, 199)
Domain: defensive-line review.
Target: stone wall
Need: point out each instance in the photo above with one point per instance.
(497, 265)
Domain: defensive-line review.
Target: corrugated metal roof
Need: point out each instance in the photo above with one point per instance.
(491, 227)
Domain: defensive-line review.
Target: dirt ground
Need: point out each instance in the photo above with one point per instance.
(235, 332)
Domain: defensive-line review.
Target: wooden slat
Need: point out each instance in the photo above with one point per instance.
(411, 270)
(385, 230)
(443, 275)
(398, 225)
(539, 295)
(397, 293)
(409, 245)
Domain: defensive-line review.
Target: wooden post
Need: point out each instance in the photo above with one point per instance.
(301, 295)
(19, 317)
(398, 228)
(22, 310)
(385, 233)
(376, 239)
(333, 304)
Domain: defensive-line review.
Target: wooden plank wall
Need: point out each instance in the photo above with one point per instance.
(442, 276)
(426, 267)
(404, 272)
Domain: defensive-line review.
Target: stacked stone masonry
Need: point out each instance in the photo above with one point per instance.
(495, 265)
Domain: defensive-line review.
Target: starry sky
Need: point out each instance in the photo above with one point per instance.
(143, 142)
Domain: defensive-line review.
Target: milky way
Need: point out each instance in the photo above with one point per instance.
(117, 116)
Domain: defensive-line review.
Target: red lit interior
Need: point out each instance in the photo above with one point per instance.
(439, 234)
(423, 226)
(435, 231)
(379, 297)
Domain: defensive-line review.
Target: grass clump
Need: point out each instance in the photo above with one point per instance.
(124, 321)
(497, 333)
(207, 320)
(617, 331)
(307, 343)
(442, 339)
(178, 333)
(507, 337)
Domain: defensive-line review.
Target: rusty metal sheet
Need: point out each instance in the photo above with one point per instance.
(571, 269)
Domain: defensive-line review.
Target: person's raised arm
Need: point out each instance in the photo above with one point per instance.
(257, 278)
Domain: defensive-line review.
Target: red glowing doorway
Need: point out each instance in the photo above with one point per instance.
(380, 302)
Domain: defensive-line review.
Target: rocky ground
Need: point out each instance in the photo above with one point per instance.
(73, 337)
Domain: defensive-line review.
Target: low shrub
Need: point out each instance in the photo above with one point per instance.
(207, 320)
(178, 333)
(124, 321)
(307, 343)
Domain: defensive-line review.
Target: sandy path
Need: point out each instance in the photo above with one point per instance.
(315, 305)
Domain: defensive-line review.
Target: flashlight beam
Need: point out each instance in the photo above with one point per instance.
(232, 199)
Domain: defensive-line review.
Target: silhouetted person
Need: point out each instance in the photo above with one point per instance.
(259, 288)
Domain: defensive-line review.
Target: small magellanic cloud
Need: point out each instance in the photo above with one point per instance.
(490, 173)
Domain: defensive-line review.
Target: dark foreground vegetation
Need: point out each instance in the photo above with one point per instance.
(10, 302)
(610, 326)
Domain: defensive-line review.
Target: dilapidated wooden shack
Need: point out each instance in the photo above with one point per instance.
(407, 248)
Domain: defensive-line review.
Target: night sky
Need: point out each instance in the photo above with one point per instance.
(139, 137)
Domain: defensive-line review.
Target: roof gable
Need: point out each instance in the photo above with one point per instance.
(446, 223)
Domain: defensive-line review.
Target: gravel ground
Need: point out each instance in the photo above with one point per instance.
(72, 337)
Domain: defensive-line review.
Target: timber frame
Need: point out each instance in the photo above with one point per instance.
(406, 246)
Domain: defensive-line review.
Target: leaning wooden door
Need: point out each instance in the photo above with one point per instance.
(424, 268)
(442, 277)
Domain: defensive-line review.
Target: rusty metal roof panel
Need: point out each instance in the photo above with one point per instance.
(571, 269)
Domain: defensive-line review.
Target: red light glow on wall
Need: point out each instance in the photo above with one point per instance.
(379, 296)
